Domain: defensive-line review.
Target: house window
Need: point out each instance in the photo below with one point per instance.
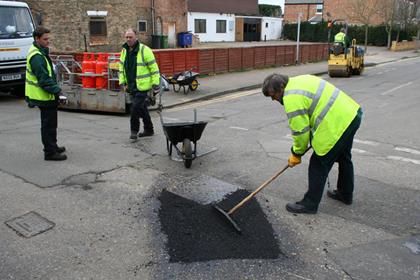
(319, 8)
(142, 26)
(220, 26)
(97, 26)
(200, 26)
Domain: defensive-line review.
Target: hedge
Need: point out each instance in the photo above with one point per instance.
(377, 35)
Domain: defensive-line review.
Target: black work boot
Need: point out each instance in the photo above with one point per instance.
(61, 150)
(133, 135)
(338, 196)
(146, 133)
(56, 157)
(300, 208)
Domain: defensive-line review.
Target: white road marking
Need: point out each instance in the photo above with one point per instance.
(239, 128)
(215, 100)
(358, 151)
(404, 159)
(170, 119)
(396, 88)
(298, 276)
(366, 142)
(407, 150)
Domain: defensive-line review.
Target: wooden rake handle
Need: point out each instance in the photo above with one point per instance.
(251, 195)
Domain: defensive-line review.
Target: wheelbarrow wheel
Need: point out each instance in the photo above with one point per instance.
(194, 85)
(176, 87)
(187, 152)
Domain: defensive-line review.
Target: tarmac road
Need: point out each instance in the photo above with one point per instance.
(104, 200)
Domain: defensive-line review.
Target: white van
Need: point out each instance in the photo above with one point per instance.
(16, 28)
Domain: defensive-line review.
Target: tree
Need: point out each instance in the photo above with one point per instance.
(415, 16)
(363, 11)
(403, 12)
(270, 10)
(388, 12)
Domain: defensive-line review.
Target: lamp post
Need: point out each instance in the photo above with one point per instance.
(298, 37)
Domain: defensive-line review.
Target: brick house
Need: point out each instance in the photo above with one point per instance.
(99, 25)
(320, 10)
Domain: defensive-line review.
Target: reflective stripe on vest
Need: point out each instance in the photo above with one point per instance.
(32, 89)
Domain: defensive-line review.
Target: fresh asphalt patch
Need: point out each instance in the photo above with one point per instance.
(197, 233)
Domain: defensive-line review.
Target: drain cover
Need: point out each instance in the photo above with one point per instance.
(30, 224)
(197, 233)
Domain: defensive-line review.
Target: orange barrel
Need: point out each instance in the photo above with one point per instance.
(88, 68)
(102, 69)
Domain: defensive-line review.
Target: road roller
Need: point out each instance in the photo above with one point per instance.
(344, 62)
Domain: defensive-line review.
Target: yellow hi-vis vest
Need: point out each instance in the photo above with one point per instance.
(318, 112)
(147, 72)
(340, 37)
(32, 88)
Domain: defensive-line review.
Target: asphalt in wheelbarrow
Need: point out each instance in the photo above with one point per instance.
(196, 233)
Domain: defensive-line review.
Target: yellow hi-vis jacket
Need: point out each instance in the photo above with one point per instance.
(147, 71)
(32, 89)
(340, 37)
(318, 113)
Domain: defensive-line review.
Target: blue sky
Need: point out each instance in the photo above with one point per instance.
(273, 2)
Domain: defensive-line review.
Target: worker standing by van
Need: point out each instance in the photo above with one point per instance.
(326, 118)
(139, 73)
(42, 91)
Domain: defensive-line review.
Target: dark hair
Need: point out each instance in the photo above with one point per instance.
(39, 31)
(274, 83)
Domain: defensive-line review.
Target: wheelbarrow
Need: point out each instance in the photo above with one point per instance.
(186, 79)
(182, 136)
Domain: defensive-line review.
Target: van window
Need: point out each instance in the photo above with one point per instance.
(15, 22)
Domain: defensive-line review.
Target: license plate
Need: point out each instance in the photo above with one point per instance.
(11, 77)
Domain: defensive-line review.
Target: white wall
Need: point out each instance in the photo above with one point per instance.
(211, 35)
(273, 31)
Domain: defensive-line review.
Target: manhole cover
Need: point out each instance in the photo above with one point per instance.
(196, 232)
(30, 224)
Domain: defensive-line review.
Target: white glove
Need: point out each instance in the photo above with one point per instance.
(62, 99)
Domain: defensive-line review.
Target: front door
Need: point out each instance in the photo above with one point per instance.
(252, 29)
(171, 35)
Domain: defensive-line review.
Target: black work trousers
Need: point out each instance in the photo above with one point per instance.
(139, 110)
(320, 166)
(49, 129)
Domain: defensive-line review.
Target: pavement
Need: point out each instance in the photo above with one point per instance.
(211, 86)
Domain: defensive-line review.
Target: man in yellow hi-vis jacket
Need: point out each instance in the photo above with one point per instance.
(138, 74)
(324, 117)
(42, 91)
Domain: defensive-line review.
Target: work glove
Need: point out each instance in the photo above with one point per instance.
(62, 99)
(151, 98)
(294, 160)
